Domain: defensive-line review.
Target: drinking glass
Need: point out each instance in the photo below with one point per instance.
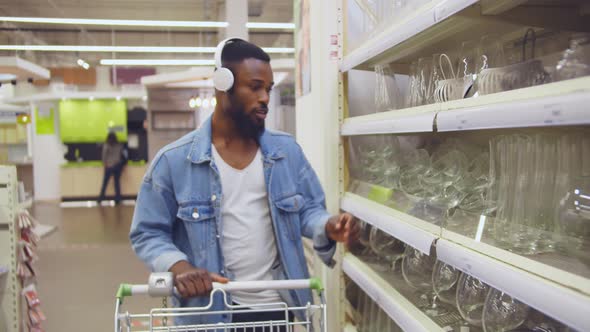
(502, 312)
(387, 247)
(471, 297)
(387, 93)
(575, 61)
(444, 282)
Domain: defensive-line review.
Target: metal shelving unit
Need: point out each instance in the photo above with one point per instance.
(554, 291)
(10, 299)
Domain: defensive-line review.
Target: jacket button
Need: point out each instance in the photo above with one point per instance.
(195, 215)
(213, 198)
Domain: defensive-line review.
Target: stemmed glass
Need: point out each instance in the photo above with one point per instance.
(417, 269)
(502, 312)
(471, 297)
(444, 282)
(387, 247)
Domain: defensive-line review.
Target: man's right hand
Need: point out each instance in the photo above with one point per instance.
(191, 281)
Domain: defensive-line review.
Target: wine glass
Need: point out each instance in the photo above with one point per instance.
(471, 297)
(387, 247)
(502, 312)
(444, 282)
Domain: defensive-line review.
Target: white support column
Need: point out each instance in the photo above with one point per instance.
(236, 14)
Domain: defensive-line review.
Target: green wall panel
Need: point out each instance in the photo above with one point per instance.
(85, 121)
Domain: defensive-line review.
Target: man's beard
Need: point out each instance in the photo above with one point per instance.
(245, 125)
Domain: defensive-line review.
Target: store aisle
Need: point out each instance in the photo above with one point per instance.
(81, 264)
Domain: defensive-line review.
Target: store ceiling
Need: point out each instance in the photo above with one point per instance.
(174, 10)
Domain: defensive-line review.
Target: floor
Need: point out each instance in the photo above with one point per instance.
(81, 265)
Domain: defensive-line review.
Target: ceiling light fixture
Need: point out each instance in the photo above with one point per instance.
(144, 23)
(269, 25)
(157, 62)
(128, 49)
(199, 102)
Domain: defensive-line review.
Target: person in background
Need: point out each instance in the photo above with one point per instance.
(113, 159)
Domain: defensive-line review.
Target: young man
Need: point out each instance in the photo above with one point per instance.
(232, 200)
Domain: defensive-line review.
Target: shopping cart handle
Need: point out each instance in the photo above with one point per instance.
(162, 284)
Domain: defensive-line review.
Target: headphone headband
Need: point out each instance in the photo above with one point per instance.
(219, 50)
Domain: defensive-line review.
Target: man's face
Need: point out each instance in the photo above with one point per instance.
(250, 96)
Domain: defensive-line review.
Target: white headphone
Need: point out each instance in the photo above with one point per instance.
(223, 79)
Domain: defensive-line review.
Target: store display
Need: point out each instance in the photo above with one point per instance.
(482, 183)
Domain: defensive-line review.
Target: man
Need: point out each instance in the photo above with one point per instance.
(232, 200)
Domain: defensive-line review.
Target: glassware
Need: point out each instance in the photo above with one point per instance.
(575, 61)
(471, 297)
(387, 94)
(502, 312)
(454, 87)
(444, 282)
(387, 247)
(417, 269)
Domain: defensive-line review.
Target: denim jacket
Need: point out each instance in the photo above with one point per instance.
(177, 214)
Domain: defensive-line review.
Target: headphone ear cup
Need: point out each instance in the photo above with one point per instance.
(223, 79)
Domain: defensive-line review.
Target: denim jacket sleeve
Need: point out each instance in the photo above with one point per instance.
(153, 219)
(314, 215)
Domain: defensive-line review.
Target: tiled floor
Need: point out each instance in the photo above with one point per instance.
(81, 265)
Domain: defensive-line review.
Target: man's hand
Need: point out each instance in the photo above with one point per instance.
(343, 228)
(191, 281)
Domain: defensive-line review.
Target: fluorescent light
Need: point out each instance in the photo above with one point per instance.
(279, 49)
(106, 48)
(144, 23)
(263, 25)
(7, 77)
(128, 49)
(156, 62)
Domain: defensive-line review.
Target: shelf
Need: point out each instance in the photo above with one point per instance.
(402, 311)
(501, 267)
(413, 231)
(389, 43)
(554, 104)
(564, 304)
(535, 266)
(412, 120)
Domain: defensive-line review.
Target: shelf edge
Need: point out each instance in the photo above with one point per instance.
(415, 232)
(537, 292)
(402, 311)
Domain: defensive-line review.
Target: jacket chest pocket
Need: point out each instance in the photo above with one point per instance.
(289, 208)
(199, 222)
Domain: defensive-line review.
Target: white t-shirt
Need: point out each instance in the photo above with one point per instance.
(248, 241)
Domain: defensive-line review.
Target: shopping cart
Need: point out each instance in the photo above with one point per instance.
(161, 319)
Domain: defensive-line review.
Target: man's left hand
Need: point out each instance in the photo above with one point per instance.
(343, 228)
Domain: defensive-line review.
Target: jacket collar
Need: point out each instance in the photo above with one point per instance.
(200, 151)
